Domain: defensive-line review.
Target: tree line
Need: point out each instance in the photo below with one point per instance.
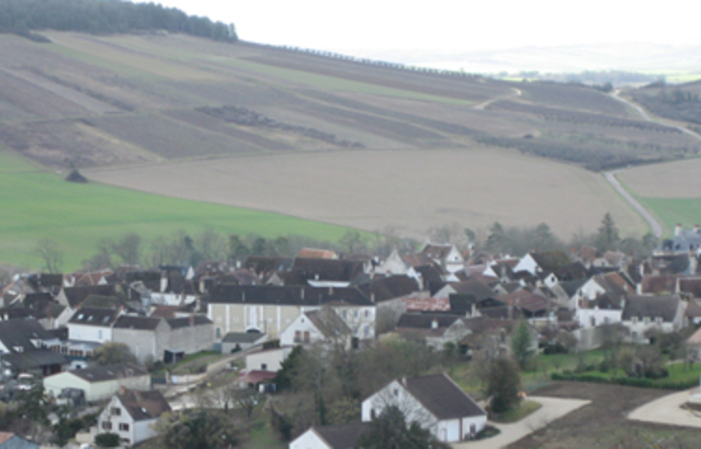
(105, 17)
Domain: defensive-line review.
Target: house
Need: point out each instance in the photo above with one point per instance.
(642, 314)
(435, 402)
(99, 382)
(605, 309)
(93, 324)
(9, 440)
(330, 437)
(542, 262)
(267, 359)
(477, 288)
(269, 309)
(436, 330)
(132, 415)
(154, 339)
(24, 348)
(314, 253)
(447, 256)
(685, 241)
(241, 341)
(325, 272)
(317, 326)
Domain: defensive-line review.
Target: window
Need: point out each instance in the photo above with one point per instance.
(306, 337)
(116, 411)
(366, 331)
(124, 426)
(658, 320)
(355, 314)
(646, 320)
(264, 366)
(396, 391)
(106, 425)
(219, 332)
(473, 428)
(298, 336)
(99, 334)
(367, 314)
(634, 319)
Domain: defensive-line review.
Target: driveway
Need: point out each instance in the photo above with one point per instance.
(655, 226)
(666, 410)
(552, 409)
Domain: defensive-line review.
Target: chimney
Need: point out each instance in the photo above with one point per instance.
(122, 390)
(434, 323)
(473, 312)
(678, 230)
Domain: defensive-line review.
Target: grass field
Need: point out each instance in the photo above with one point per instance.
(37, 204)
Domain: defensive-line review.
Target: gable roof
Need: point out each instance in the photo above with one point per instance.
(94, 316)
(426, 320)
(551, 260)
(242, 337)
(20, 333)
(390, 287)
(478, 289)
(143, 405)
(136, 322)
(285, 295)
(304, 270)
(442, 397)
(437, 251)
(76, 295)
(187, 321)
(328, 323)
(109, 372)
(343, 436)
(651, 307)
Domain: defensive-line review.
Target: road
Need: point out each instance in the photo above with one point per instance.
(552, 409)
(667, 410)
(516, 93)
(655, 226)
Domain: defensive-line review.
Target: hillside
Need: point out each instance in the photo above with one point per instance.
(132, 99)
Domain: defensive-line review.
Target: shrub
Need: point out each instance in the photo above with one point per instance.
(107, 440)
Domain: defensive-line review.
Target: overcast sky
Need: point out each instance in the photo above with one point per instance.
(366, 27)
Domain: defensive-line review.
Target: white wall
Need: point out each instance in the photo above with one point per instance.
(82, 332)
(527, 263)
(396, 394)
(302, 324)
(600, 316)
(272, 358)
(309, 440)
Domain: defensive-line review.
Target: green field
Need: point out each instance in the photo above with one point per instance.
(37, 204)
(671, 211)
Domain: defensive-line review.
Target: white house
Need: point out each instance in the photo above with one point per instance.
(92, 324)
(446, 256)
(99, 382)
(267, 359)
(435, 402)
(330, 437)
(317, 326)
(132, 415)
(652, 313)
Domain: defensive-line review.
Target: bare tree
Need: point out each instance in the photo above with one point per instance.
(50, 254)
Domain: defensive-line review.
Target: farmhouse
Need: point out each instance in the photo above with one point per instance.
(642, 314)
(435, 402)
(132, 415)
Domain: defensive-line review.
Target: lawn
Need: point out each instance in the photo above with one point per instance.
(674, 210)
(680, 377)
(37, 204)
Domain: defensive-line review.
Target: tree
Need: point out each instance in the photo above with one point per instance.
(198, 428)
(497, 240)
(111, 353)
(391, 431)
(521, 343)
(607, 237)
(128, 248)
(543, 238)
(351, 241)
(50, 254)
(504, 384)
(107, 440)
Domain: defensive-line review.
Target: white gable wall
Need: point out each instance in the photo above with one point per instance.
(82, 332)
(396, 394)
(527, 263)
(300, 324)
(309, 440)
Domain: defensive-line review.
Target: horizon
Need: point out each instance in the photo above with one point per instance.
(414, 36)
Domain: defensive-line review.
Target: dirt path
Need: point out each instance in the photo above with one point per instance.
(552, 409)
(655, 226)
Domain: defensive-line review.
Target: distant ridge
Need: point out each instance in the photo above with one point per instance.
(22, 17)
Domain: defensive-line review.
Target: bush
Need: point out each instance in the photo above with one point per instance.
(107, 440)
(487, 432)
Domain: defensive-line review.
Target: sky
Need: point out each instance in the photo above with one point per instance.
(391, 27)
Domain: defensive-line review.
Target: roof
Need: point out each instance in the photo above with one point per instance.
(94, 316)
(651, 307)
(423, 304)
(315, 253)
(328, 323)
(442, 397)
(693, 308)
(390, 287)
(572, 287)
(572, 272)
(264, 264)
(478, 289)
(695, 338)
(436, 251)
(4, 436)
(192, 320)
(256, 376)
(143, 405)
(110, 372)
(137, 322)
(658, 284)
(162, 311)
(285, 295)
(304, 270)
(242, 337)
(35, 358)
(425, 320)
(20, 333)
(343, 436)
(76, 295)
(691, 286)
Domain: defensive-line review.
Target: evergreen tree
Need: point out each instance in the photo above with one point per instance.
(504, 384)
(521, 343)
(607, 237)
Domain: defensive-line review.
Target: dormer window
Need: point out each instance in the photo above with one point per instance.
(646, 320)
(634, 319)
(18, 348)
(658, 320)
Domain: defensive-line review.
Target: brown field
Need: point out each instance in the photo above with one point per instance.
(408, 190)
(679, 179)
(603, 423)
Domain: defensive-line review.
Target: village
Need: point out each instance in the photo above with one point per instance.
(135, 347)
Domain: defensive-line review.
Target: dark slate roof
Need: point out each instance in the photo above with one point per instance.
(39, 280)
(285, 295)
(551, 260)
(390, 287)
(691, 286)
(194, 320)
(328, 323)
(263, 264)
(35, 358)
(436, 251)
(425, 320)
(343, 436)
(442, 397)
(304, 270)
(461, 304)
(143, 405)
(572, 287)
(136, 322)
(94, 316)
(110, 372)
(76, 295)
(20, 333)
(478, 289)
(242, 337)
(651, 307)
